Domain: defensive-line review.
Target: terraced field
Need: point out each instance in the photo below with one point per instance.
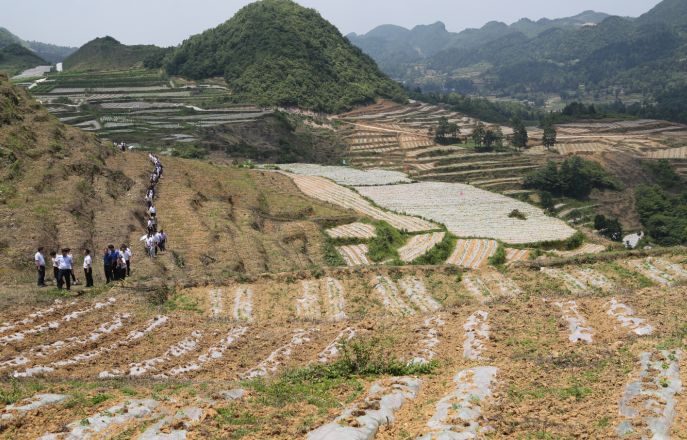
(399, 137)
(594, 342)
(140, 105)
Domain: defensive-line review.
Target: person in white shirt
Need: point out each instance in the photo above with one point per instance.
(157, 238)
(39, 259)
(127, 257)
(88, 268)
(150, 245)
(64, 265)
(152, 211)
(55, 269)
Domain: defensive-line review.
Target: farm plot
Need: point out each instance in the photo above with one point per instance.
(428, 344)
(459, 414)
(419, 245)
(348, 176)
(328, 191)
(472, 254)
(319, 299)
(353, 230)
(354, 255)
(513, 255)
(568, 149)
(578, 329)
(655, 274)
(672, 153)
(470, 212)
(587, 248)
(363, 420)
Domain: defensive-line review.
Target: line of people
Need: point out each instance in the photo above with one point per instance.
(116, 262)
(155, 240)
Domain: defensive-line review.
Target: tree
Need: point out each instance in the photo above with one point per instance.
(520, 136)
(446, 132)
(478, 134)
(546, 201)
(549, 137)
(493, 139)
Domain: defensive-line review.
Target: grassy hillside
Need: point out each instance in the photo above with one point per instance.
(107, 53)
(63, 187)
(275, 52)
(16, 58)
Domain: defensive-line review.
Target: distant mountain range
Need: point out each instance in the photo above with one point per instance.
(593, 51)
(393, 46)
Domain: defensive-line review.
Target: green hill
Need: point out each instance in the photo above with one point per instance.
(48, 52)
(107, 53)
(275, 52)
(15, 58)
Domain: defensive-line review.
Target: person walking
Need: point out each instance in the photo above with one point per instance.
(152, 211)
(121, 262)
(150, 245)
(127, 256)
(64, 263)
(39, 259)
(55, 270)
(88, 268)
(163, 241)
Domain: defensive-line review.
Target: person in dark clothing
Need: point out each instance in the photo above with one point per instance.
(114, 256)
(107, 266)
(88, 268)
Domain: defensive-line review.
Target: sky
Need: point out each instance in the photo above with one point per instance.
(169, 22)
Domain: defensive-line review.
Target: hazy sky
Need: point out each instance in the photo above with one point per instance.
(169, 22)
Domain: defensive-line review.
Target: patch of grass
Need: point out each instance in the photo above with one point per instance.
(181, 302)
(14, 391)
(331, 256)
(99, 398)
(499, 257)
(385, 244)
(439, 253)
(625, 273)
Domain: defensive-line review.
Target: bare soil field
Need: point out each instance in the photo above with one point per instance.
(527, 355)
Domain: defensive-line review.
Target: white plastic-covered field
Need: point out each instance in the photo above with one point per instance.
(347, 175)
(353, 230)
(470, 212)
(328, 191)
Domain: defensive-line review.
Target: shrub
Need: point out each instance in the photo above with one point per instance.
(499, 257)
(575, 241)
(516, 213)
(386, 242)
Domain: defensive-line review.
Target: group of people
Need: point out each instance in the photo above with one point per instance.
(63, 268)
(116, 261)
(155, 240)
(122, 146)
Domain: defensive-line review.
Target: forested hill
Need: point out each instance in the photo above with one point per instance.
(107, 53)
(275, 52)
